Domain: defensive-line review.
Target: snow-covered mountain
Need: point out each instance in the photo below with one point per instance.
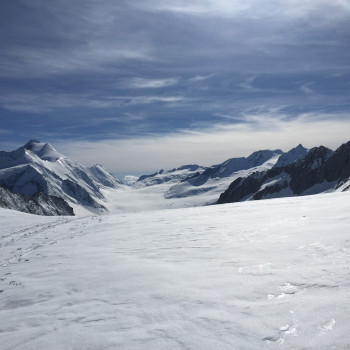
(170, 176)
(205, 187)
(320, 170)
(291, 156)
(38, 168)
(198, 185)
(234, 165)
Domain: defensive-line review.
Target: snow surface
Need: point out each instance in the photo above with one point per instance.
(270, 274)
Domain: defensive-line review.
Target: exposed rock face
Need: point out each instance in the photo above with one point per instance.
(320, 166)
(309, 170)
(39, 204)
(338, 166)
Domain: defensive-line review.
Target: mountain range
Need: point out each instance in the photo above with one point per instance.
(200, 185)
(37, 179)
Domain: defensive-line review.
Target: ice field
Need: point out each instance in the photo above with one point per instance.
(271, 274)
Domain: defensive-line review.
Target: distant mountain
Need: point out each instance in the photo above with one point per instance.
(170, 176)
(38, 168)
(198, 185)
(291, 156)
(321, 169)
(205, 187)
(130, 179)
(234, 165)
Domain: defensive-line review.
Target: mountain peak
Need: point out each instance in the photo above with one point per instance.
(33, 144)
(33, 141)
(291, 156)
(259, 157)
(43, 150)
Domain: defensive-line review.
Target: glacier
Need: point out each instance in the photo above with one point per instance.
(270, 274)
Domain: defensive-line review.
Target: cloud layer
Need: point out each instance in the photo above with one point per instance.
(210, 146)
(98, 71)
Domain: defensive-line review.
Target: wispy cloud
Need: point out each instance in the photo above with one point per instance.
(79, 37)
(141, 83)
(46, 102)
(248, 8)
(305, 88)
(200, 77)
(149, 99)
(248, 85)
(34, 62)
(120, 69)
(207, 147)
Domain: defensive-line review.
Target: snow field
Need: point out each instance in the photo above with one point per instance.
(270, 274)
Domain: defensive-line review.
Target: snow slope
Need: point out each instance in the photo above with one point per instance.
(270, 274)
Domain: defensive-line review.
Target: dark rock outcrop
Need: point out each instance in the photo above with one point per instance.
(319, 166)
(39, 203)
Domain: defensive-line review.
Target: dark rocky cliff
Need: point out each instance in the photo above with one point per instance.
(39, 203)
(320, 165)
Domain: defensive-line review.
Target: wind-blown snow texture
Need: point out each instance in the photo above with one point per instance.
(252, 275)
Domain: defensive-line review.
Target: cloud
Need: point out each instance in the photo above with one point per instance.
(246, 9)
(60, 38)
(47, 102)
(34, 62)
(200, 77)
(141, 83)
(248, 85)
(196, 7)
(305, 88)
(207, 147)
(115, 69)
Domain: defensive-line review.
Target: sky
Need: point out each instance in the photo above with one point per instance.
(141, 85)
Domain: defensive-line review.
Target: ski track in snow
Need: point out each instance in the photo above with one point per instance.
(270, 274)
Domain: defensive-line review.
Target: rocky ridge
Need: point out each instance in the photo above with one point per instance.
(321, 169)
